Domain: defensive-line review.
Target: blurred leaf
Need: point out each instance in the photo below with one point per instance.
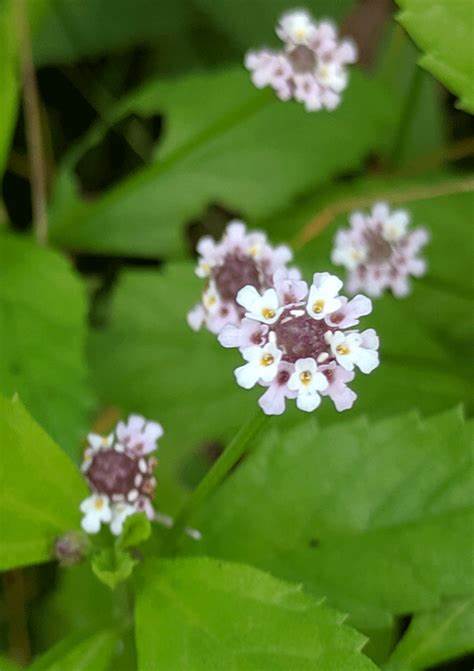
(8, 79)
(112, 566)
(374, 516)
(251, 23)
(73, 30)
(136, 530)
(42, 337)
(436, 637)
(443, 30)
(415, 92)
(40, 489)
(76, 653)
(201, 614)
(251, 152)
(7, 665)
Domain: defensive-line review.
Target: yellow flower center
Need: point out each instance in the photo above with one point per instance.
(99, 504)
(342, 349)
(267, 360)
(318, 306)
(305, 377)
(268, 313)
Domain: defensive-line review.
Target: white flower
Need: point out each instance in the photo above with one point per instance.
(307, 380)
(333, 76)
(323, 295)
(394, 227)
(262, 364)
(355, 349)
(263, 308)
(210, 298)
(96, 509)
(120, 513)
(349, 255)
(296, 27)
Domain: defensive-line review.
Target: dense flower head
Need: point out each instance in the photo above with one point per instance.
(312, 66)
(300, 342)
(240, 258)
(119, 471)
(380, 252)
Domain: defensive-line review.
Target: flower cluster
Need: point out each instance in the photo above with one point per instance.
(312, 66)
(300, 342)
(380, 252)
(119, 472)
(240, 258)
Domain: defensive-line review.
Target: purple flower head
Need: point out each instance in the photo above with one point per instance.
(301, 343)
(240, 258)
(380, 252)
(312, 66)
(119, 472)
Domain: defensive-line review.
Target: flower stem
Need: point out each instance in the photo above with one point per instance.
(216, 474)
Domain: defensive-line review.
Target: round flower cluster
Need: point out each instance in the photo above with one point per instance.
(300, 342)
(311, 68)
(380, 252)
(240, 258)
(119, 472)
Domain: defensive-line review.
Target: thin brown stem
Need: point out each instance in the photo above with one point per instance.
(15, 602)
(330, 212)
(32, 110)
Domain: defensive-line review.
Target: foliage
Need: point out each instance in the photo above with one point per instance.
(441, 28)
(42, 336)
(338, 542)
(40, 489)
(212, 615)
(394, 496)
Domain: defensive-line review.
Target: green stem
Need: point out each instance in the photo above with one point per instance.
(216, 474)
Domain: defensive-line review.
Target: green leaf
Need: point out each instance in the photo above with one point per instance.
(7, 665)
(76, 653)
(374, 516)
(436, 637)
(42, 338)
(249, 151)
(40, 489)
(112, 566)
(8, 80)
(202, 614)
(136, 530)
(443, 30)
(233, 17)
(72, 31)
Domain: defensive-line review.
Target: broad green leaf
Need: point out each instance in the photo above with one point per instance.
(40, 489)
(112, 566)
(202, 614)
(436, 637)
(77, 653)
(72, 30)
(443, 31)
(251, 23)
(42, 338)
(250, 152)
(377, 517)
(8, 80)
(136, 530)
